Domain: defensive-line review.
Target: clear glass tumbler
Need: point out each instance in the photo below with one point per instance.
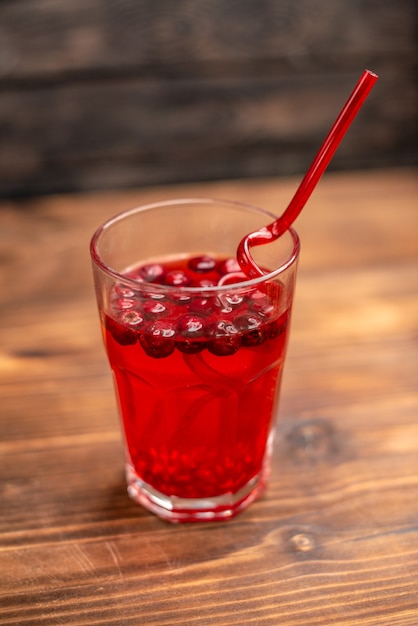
(196, 349)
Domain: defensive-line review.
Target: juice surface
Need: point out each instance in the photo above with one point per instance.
(197, 376)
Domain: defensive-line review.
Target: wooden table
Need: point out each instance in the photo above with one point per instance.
(335, 538)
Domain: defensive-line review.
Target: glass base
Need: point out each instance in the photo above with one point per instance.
(175, 509)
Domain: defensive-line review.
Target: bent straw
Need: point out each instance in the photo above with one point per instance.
(310, 180)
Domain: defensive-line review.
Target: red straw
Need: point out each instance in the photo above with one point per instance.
(312, 176)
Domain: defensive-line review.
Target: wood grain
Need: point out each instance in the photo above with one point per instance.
(52, 39)
(98, 94)
(334, 541)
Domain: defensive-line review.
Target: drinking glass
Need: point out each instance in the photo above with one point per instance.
(196, 349)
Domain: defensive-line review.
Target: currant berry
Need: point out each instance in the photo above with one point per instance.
(229, 266)
(124, 292)
(181, 298)
(154, 309)
(247, 321)
(124, 336)
(157, 340)
(125, 303)
(226, 339)
(205, 282)
(263, 306)
(133, 319)
(252, 328)
(232, 300)
(191, 326)
(202, 264)
(151, 272)
(202, 305)
(177, 278)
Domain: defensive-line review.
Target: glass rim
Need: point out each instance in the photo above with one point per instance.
(131, 282)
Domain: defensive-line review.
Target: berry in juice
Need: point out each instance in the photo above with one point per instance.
(197, 373)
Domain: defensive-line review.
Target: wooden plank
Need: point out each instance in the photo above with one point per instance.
(44, 38)
(131, 132)
(99, 94)
(368, 230)
(334, 539)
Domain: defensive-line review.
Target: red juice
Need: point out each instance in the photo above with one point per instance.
(197, 375)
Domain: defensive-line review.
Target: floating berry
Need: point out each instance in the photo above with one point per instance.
(125, 303)
(177, 278)
(124, 336)
(228, 266)
(263, 306)
(191, 326)
(247, 321)
(124, 292)
(226, 339)
(205, 282)
(233, 300)
(256, 295)
(252, 328)
(181, 298)
(133, 319)
(151, 272)
(202, 305)
(157, 340)
(228, 312)
(221, 323)
(253, 338)
(227, 346)
(154, 309)
(202, 264)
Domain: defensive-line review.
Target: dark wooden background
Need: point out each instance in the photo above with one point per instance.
(99, 94)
